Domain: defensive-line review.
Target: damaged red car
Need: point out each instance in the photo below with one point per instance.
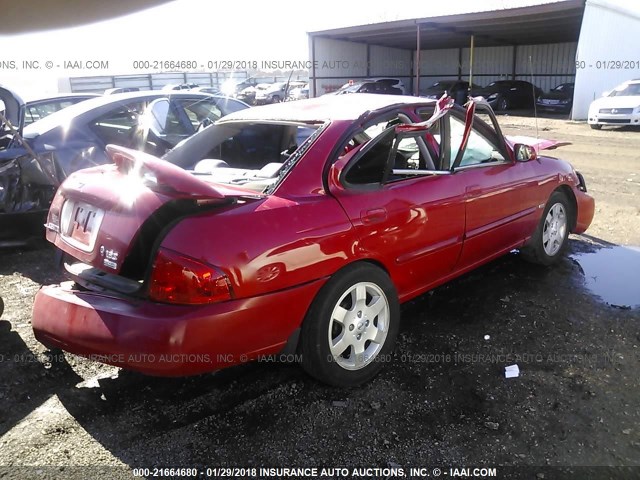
(295, 227)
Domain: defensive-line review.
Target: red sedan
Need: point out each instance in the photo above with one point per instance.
(296, 227)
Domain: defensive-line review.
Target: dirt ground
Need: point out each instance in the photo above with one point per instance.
(442, 402)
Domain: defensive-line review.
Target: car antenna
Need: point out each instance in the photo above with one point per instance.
(286, 88)
(535, 106)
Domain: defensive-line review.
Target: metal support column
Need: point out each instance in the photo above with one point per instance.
(471, 64)
(416, 86)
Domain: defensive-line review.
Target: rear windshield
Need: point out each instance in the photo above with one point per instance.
(251, 155)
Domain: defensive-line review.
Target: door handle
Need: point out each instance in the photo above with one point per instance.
(376, 215)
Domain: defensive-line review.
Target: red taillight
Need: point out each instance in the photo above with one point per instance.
(184, 280)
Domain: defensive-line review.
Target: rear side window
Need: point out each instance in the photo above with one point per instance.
(199, 111)
(38, 111)
(370, 167)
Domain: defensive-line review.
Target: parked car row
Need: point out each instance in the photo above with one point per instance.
(504, 95)
(267, 93)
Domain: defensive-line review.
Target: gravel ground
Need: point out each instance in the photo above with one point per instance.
(442, 401)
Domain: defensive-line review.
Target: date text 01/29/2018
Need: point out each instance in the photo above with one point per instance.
(608, 64)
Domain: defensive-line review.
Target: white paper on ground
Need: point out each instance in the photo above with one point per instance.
(511, 371)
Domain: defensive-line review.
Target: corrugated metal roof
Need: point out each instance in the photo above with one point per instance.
(538, 24)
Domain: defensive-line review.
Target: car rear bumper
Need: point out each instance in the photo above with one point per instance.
(168, 340)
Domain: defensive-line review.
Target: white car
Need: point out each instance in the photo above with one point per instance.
(271, 93)
(373, 85)
(620, 106)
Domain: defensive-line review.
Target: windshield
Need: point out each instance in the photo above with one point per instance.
(626, 90)
(564, 87)
(350, 88)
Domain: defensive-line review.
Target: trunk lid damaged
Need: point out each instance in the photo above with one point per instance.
(110, 217)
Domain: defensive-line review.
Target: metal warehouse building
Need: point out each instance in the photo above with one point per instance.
(594, 43)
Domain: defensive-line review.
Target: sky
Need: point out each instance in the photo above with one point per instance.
(203, 32)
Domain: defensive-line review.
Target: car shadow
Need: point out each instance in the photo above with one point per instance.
(36, 262)
(507, 306)
(28, 379)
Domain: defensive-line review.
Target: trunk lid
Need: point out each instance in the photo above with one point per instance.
(99, 213)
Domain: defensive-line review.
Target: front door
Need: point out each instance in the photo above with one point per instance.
(499, 192)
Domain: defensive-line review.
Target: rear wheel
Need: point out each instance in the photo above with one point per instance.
(550, 238)
(351, 327)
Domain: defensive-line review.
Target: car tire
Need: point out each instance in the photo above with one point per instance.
(502, 104)
(595, 126)
(1, 306)
(348, 335)
(549, 240)
(275, 99)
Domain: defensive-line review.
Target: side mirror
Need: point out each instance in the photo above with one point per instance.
(524, 153)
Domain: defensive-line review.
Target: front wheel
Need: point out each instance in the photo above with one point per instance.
(503, 104)
(351, 327)
(595, 126)
(550, 238)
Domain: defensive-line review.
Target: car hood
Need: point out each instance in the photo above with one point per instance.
(489, 90)
(13, 108)
(631, 101)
